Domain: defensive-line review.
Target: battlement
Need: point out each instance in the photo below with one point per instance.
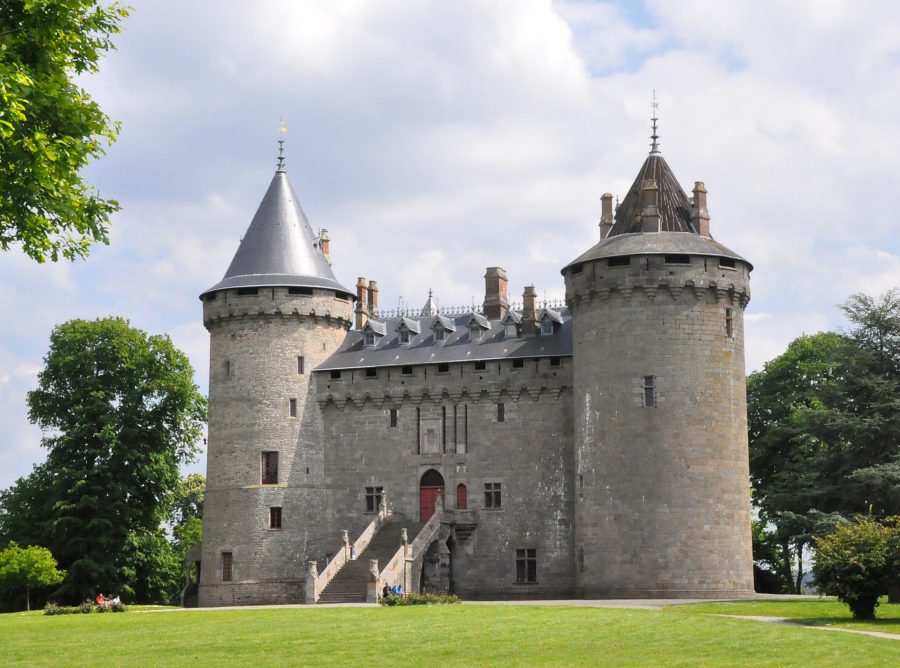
(289, 302)
(672, 278)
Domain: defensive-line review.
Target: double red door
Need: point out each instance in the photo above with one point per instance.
(428, 497)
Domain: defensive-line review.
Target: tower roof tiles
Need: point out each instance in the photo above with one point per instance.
(673, 204)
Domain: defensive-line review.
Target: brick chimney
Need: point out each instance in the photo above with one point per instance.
(529, 312)
(495, 297)
(649, 206)
(373, 299)
(361, 303)
(325, 244)
(606, 215)
(699, 213)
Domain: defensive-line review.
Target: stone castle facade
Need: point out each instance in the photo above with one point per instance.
(592, 449)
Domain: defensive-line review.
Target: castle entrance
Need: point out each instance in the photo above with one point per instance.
(431, 487)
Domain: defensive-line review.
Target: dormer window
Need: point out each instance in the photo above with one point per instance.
(372, 331)
(478, 325)
(475, 332)
(406, 330)
(404, 335)
(439, 333)
(550, 320)
(369, 338)
(510, 330)
(441, 326)
(546, 327)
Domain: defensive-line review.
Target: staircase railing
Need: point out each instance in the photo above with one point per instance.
(316, 582)
(400, 566)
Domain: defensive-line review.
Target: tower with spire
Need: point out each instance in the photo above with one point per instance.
(662, 507)
(276, 314)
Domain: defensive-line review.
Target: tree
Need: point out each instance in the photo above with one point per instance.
(24, 569)
(50, 128)
(121, 412)
(857, 562)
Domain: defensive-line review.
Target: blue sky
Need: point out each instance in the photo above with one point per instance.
(434, 139)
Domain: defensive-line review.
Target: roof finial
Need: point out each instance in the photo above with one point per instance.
(654, 147)
(282, 129)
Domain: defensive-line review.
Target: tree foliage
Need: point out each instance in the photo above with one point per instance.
(824, 427)
(50, 128)
(121, 412)
(25, 569)
(858, 561)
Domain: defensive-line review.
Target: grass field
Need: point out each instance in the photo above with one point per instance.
(462, 635)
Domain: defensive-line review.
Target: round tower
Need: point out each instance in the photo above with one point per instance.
(276, 315)
(662, 503)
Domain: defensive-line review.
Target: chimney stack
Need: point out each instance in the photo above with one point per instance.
(529, 312)
(606, 215)
(361, 303)
(495, 296)
(649, 216)
(325, 245)
(373, 299)
(699, 213)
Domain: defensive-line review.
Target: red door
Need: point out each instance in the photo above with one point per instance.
(462, 497)
(428, 500)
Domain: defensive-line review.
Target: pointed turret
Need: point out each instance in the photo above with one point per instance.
(279, 247)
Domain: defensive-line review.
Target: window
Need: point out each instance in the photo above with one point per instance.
(501, 412)
(518, 363)
(300, 364)
(443, 367)
(526, 565)
(480, 366)
(210, 297)
(394, 416)
(226, 367)
(510, 330)
(729, 323)
(406, 371)
(618, 262)
(726, 262)
(404, 335)
(371, 373)
(292, 404)
(275, 517)
(300, 291)
(677, 259)
(546, 327)
(373, 498)
(554, 361)
(335, 375)
(270, 468)
(474, 332)
(492, 497)
(226, 566)
(439, 333)
(369, 338)
(577, 268)
(649, 391)
(246, 292)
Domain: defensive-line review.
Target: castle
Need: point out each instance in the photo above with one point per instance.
(594, 449)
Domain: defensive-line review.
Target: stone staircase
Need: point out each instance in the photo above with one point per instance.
(349, 585)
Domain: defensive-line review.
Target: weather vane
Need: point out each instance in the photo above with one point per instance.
(282, 129)
(654, 147)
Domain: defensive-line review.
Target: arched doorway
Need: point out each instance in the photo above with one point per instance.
(462, 497)
(431, 487)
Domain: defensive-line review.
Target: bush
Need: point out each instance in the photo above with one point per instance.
(420, 599)
(857, 562)
(53, 609)
(85, 608)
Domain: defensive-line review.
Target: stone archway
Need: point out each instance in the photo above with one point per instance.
(431, 488)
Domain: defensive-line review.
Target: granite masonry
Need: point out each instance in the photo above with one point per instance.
(596, 448)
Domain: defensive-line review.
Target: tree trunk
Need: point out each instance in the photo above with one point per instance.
(799, 588)
(28, 597)
(787, 575)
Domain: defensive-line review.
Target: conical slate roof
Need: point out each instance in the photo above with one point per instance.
(278, 248)
(673, 204)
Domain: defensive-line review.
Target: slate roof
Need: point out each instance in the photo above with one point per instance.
(674, 205)
(656, 243)
(278, 249)
(456, 347)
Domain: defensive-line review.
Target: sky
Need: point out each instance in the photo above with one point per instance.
(433, 139)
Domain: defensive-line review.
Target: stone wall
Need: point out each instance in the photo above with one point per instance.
(662, 492)
(529, 453)
(255, 342)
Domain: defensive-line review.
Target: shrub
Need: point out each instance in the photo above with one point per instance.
(857, 562)
(87, 607)
(420, 599)
(53, 609)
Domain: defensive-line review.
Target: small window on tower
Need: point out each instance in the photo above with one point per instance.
(395, 414)
(678, 259)
(501, 412)
(618, 262)
(373, 498)
(292, 407)
(270, 468)
(226, 566)
(729, 323)
(726, 262)
(246, 292)
(526, 566)
(275, 517)
(300, 291)
(300, 365)
(226, 368)
(649, 391)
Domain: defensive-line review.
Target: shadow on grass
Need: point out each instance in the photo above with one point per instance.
(891, 625)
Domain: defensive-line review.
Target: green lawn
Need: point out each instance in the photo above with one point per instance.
(830, 612)
(483, 635)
